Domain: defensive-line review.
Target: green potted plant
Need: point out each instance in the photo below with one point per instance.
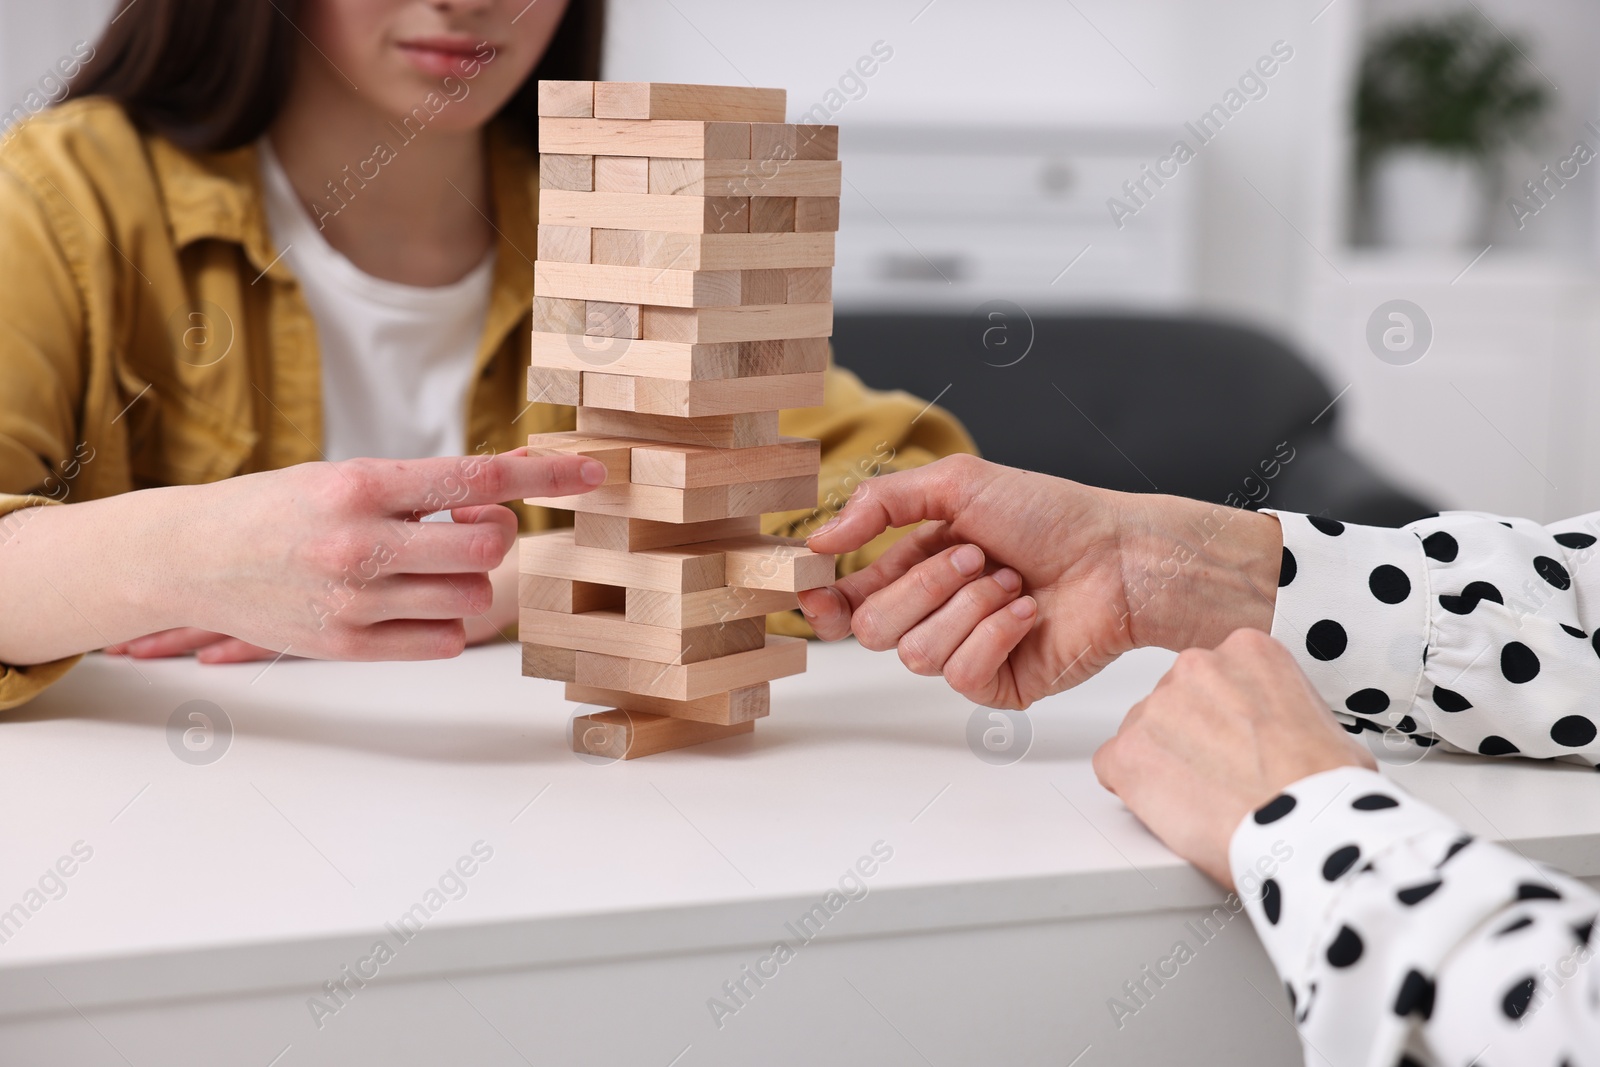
(1438, 102)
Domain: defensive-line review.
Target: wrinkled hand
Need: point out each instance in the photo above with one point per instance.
(329, 560)
(1223, 732)
(1022, 585)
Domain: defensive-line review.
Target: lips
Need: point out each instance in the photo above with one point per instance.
(439, 56)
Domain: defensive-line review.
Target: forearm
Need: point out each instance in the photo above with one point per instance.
(1464, 629)
(1395, 931)
(82, 576)
(1195, 572)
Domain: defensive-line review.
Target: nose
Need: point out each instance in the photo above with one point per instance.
(462, 7)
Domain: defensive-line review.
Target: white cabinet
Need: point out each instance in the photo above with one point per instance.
(1498, 415)
(950, 217)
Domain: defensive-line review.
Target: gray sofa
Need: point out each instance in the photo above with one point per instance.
(1199, 407)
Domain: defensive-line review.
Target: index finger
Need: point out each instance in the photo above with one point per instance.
(935, 491)
(425, 486)
(830, 607)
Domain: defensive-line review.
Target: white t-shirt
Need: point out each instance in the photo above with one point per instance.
(397, 360)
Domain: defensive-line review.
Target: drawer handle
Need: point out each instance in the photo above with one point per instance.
(1057, 178)
(910, 268)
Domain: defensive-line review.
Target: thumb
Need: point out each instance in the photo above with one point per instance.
(937, 491)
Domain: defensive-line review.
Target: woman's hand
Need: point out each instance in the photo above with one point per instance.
(207, 647)
(330, 561)
(215, 648)
(1224, 732)
(1024, 585)
(324, 560)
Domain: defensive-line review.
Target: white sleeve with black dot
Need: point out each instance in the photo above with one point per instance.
(1404, 942)
(1470, 630)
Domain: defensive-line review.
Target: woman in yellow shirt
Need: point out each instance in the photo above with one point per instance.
(169, 381)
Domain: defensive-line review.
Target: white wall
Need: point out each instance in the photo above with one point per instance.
(34, 35)
(1095, 62)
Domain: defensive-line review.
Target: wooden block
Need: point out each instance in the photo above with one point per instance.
(622, 174)
(620, 534)
(783, 141)
(609, 532)
(678, 360)
(764, 286)
(613, 391)
(566, 99)
(803, 354)
(630, 248)
(603, 672)
(609, 633)
(656, 502)
(604, 318)
(692, 466)
(764, 357)
(756, 322)
(816, 142)
(644, 211)
(779, 658)
(712, 251)
(685, 570)
(772, 214)
(746, 177)
(720, 431)
(563, 244)
(692, 399)
(813, 214)
(664, 100)
(574, 174)
(630, 137)
(546, 386)
(584, 351)
(810, 285)
(647, 359)
(558, 316)
(615, 453)
(651, 607)
(568, 596)
(778, 494)
(638, 285)
(617, 734)
(543, 661)
(770, 562)
(661, 503)
(738, 705)
(797, 355)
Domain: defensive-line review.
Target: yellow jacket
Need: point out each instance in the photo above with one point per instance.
(150, 336)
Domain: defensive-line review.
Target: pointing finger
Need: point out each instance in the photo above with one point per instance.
(424, 486)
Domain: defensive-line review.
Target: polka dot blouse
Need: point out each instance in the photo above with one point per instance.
(1401, 940)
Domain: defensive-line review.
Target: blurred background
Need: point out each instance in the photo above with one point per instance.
(1365, 286)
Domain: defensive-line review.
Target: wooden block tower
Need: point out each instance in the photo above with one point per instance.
(684, 295)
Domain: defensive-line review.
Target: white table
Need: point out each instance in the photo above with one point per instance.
(620, 897)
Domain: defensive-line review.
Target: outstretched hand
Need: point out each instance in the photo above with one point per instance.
(330, 560)
(207, 646)
(1012, 589)
(1020, 585)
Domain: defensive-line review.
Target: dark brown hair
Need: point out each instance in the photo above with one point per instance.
(212, 76)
